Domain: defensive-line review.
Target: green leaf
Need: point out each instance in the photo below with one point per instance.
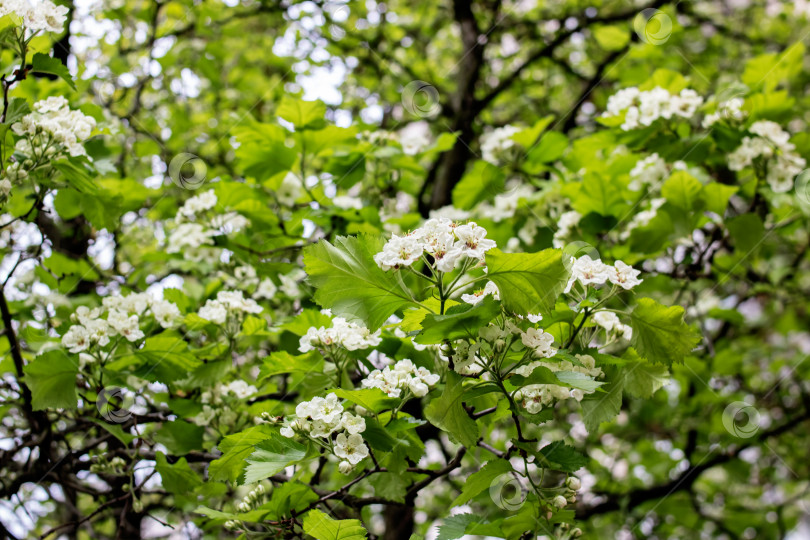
(454, 527)
(561, 457)
(599, 193)
(177, 478)
(271, 456)
(482, 182)
(747, 232)
(347, 280)
(529, 136)
(682, 190)
(459, 321)
(642, 380)
(447, 413)
(302, 114)
(322, 527)
(578, 380)
(599, 408)
(611, 38)
(716, 197)
(550, 148)
(180, 437)
(481, 480)
(528, 282)
(280, 362)
(43, 63)
(235, 449)
(389, 486)
(373, 399)
(290, 496)
(51, 377)
(660, 333)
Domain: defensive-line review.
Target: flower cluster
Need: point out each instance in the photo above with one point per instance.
(568, 220)
(47, 133)
(729, 110)
(642, 108)
(342, 333)
(594, 272)
(404, 375)
(123, 319)
(444, 240)
(198, 223)
(648, 172)
(773, 144)
(228, 303)
(642, 218)
(45, 15)
(320, 418)
(539, 341)
(535, 397)
(497, 144)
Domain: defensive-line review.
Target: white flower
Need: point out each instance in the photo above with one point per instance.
(607, 320)
(534, 318)
(624, 275)
(353, 423)
(45, 15)
(540, 341)
(267, 289)
(568, 220)
(240, 389)
(189, 235)
(496, 144)
(348, 335)
(642, 108)
(473, 238)
(235, 301)
(403, 375)
(489, 289)
(165, 313)
(76, 339)
(648, 171)
(588, 272)
(413, 141)
(199, 203)
(351, 448)
(214, 311)
(399, 251)
(327, 409)
(289, 190)
(127, 326)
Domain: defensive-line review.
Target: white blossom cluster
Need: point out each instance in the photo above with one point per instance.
(197, 224)
(611, 323)
(228, 303)
(643, 218)
(505, 205)
(44, 15)
(594, 272)
(773, 144)
(404, 375)
(497, 144)
(350, 336)
(729, 110)
(123, 319)
(212, 402)
(535, 397)
(444, 240)
(642, 108)
(540, 341)
(323, 417)
(649, 171)
(49, 131)
(566, 223)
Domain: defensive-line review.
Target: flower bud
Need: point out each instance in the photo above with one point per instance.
(573, 483)
(345, 467)
(576, 533)
(559, 502)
